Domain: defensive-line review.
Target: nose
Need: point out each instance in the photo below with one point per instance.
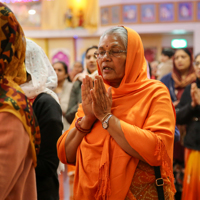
(92, 59)
(107, 55)
(56, 71)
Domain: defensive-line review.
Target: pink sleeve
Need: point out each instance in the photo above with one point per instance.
(14, 143)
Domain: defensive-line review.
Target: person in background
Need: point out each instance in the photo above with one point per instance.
(188, 113)
(120, 112)
(63, 89)
(153, 69)
(182, 75)
(19, 131)
(166, 64)
(63, 92)
(90, 68)
(41, 80)
(77, 68)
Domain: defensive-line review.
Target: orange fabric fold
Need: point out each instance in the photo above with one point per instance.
(103, 169)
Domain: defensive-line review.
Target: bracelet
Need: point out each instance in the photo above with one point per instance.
(105, 117)
(78, 127)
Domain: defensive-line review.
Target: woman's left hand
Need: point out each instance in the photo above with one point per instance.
(102, 99)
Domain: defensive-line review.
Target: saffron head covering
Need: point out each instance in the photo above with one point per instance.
(43, 76)
(143, 106)
(13, 73)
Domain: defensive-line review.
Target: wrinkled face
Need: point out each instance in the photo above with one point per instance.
(197, 67)
(91, 61)
(60, 71)
(112, 67)
(78, 68)
(181, 60)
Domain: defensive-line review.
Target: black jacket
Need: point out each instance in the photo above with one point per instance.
(74, 101)
(49, 116)
(185, 114)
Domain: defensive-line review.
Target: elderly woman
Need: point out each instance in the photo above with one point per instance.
(188, 113)
(123, 128)
(19, 130)
(41, 77)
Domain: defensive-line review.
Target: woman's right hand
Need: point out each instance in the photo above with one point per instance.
(86, 86)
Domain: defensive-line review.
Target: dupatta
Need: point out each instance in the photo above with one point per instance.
(12, 74)
(147, 118)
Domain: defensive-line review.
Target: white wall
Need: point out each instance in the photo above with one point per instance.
(196, 41)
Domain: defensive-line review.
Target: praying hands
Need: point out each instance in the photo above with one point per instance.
(96, 101)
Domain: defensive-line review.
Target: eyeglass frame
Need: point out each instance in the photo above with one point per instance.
(110, 54)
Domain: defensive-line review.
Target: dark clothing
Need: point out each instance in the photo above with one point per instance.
(178, 157)
(49, 116)
(169, 82)
(184, 115)
(74, 101)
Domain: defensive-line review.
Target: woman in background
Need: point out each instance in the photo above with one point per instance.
(75, 96)
(182, 75)
(41, 79)
(90, 68)
(63, 89)
(18, 126)
(63, 92)
(188, 113)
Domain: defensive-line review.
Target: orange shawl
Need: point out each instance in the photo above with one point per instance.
(103, 169)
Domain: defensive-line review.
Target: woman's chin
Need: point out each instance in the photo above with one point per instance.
(91, 70)
(107, 77)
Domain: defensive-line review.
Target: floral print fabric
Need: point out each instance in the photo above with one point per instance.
(13, 73)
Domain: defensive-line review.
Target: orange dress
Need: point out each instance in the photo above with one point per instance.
(144, 108)
(191, 183)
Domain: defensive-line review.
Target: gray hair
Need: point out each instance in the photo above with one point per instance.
(119, 31)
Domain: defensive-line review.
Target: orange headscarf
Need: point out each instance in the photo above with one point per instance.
(103, 169)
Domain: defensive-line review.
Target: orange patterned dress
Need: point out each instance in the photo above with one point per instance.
(142, 186)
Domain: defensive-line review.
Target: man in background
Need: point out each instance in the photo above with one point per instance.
(166, 64)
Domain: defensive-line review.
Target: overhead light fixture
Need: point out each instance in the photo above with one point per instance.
(179, 43)
(31, 12)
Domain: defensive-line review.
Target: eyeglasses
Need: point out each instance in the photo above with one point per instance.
(112, 52)
(196, 64)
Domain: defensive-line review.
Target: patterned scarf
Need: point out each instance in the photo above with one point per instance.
(13, 73)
